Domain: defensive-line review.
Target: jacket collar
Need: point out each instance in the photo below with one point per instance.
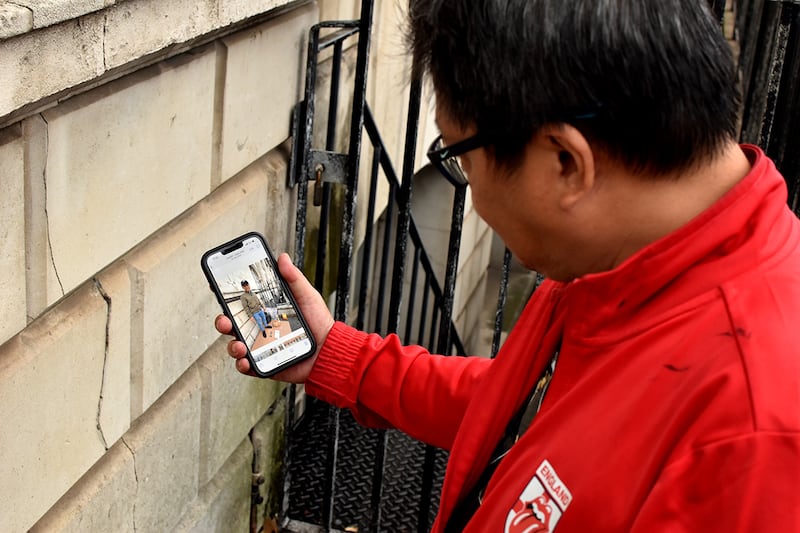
(740, 230)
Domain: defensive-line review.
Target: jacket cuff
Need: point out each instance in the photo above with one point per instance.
(331, 378)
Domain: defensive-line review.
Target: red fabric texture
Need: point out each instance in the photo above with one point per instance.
(675, 404)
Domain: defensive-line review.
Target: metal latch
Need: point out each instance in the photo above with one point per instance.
(318, 170)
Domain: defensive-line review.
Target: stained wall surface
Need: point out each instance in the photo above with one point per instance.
(135, 135)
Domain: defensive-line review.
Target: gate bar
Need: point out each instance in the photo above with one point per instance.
(348, 231)
(330, 145)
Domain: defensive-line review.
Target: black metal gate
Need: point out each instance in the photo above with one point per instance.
(768, 34)
(339, 476)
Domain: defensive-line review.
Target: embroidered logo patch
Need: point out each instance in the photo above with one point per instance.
(541, 504)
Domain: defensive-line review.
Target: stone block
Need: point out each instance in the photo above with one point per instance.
(171, 324)
(268, 446)
(42, 63)
(49, 12)
(474, 263)
(231, 11)
(165, 443)
(263, 82)
(42, 277)
(473, 231)
(51, 376)
(345, 101)
(125, 159)
(12, 233)
(224, 503)
(280, 202)
(428, 130)
(470, 276)
(468, 204)
(486, 247)
(470, 323)
(389, 78)
(232, 404)
(135, 28)
(431, 207)
(115, 405)
(339, 9)
(102, 500)
(14, 20)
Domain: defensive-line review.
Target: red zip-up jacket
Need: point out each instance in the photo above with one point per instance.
(675, 403)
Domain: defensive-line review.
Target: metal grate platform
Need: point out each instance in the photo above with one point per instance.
(402, 476)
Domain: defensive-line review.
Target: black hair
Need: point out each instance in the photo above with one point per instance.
(651, 82)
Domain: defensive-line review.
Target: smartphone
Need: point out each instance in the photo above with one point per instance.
(244, 276)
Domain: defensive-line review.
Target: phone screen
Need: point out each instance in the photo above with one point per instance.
(245, 278)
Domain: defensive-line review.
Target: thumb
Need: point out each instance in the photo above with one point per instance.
(310, 302)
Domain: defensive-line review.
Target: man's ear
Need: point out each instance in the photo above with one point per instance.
(575, 162)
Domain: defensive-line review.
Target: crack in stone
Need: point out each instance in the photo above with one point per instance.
(46, 215)
(107, 298)
(136, 477)
(105, 34)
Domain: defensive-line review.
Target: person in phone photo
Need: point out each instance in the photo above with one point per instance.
(652, 382)
(254, 309)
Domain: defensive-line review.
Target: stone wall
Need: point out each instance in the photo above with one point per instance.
(134, 135)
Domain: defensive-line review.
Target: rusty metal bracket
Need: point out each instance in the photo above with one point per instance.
(332, 164)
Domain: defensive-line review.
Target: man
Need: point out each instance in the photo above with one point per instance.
(652, 383)
(254, 309)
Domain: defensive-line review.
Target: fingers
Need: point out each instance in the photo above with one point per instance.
(236, 349)
(223, 325)
(243, 366)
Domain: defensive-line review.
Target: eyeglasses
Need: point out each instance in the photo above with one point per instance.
(445, 158)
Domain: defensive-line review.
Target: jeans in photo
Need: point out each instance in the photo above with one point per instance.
(261, 319)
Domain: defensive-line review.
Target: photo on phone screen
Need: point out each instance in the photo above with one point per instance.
(245, 278)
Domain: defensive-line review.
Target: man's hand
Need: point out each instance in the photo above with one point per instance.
(314, 310)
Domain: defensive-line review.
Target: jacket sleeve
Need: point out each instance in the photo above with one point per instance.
(747, 483)
(388, 385)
